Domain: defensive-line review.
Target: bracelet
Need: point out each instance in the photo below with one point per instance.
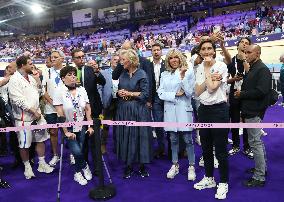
(132, 94)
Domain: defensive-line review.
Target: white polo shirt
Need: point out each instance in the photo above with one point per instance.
(219, 96)
(73, 107)
(51, 82)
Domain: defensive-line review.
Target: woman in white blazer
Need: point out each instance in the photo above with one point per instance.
(176, 88)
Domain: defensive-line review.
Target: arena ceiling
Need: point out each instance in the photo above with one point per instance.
(15, 9)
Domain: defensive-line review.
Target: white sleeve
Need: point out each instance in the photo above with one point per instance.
(199, 76)
(58, 97)
(16, 95)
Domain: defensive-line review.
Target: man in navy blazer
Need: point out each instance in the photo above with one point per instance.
(158, 66)
(89, 80)
(108, 96)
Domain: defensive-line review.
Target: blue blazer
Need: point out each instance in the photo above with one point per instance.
(177, 109)
(106, 90)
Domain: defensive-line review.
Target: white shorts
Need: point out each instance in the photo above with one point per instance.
(26, 137)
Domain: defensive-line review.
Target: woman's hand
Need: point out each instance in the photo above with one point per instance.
(182, 72)
(180, 93)
(90, 131)
(70, 135)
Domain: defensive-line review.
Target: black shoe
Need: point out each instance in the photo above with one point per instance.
(3, 153)
(128, 172)
(248, 153)
(4, 184)
(15, 164)
(251, 171)
(143, 172)
(254, 183)
(159, 154)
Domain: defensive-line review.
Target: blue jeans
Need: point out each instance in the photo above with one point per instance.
(187, 137)
(75, 147)
(158, 116)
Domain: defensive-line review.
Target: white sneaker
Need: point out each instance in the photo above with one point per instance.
(173, 172)
(87, 173)
(230, 141)
(201, 162)
(44, 168)
(78, 177)
(191, 173)
(55, 159)
(29, 172)
(206, 182)
(216, 163)
(222, 191)
(72, 159)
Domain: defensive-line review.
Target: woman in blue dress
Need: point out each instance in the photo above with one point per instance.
(134, 144)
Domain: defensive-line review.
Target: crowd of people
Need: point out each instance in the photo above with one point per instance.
(265, 20)
(133, 88)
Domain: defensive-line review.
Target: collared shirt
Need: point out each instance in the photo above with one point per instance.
(157, 71)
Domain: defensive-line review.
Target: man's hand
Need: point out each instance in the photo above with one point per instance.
(238, 78)
(237, 94)
(149, 105)
(90, 131)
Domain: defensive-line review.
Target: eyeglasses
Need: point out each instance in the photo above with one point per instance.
(80, 57)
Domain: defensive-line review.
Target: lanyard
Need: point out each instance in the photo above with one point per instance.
(75, 103)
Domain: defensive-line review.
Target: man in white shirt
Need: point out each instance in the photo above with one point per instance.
(51, 82)
(157, 104)
(24, 96)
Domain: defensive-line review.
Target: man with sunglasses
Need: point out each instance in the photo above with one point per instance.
(89, 80)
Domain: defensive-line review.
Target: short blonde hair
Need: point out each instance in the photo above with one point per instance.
(172, 53)
(132, 56)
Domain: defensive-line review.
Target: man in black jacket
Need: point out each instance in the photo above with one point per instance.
(254, 97)
(89, 80)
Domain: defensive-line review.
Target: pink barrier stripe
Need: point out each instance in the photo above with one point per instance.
(150, 124)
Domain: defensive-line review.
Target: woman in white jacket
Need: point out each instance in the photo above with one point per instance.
(176, 88)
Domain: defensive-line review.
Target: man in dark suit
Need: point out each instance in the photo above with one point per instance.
(89, 80)
(158, 66)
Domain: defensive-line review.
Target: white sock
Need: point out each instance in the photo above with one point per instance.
(27, 164)
(41, 159)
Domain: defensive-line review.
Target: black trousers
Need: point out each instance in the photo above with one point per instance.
(90, 142)
(218, 137)
(235, 116)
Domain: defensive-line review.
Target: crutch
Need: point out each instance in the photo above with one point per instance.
(60, 120)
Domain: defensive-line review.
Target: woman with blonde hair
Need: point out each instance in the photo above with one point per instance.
(176, 88)
(133, 143)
